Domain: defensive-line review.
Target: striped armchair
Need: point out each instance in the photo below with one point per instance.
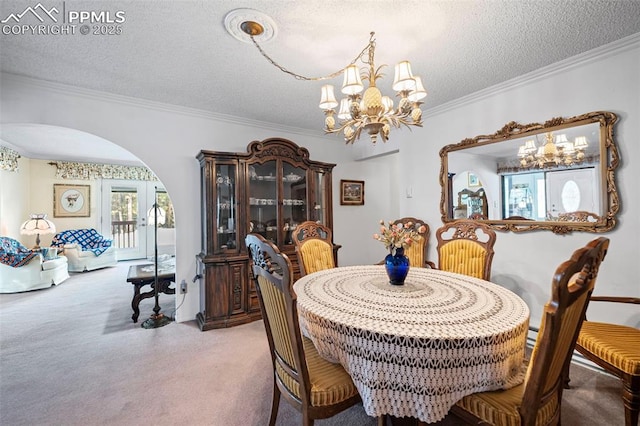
(615, 348)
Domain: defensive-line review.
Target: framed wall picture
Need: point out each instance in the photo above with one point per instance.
(71, 200)
(352, 192)
(473, 180)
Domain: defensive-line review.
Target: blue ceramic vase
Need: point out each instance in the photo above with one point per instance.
(397, 266)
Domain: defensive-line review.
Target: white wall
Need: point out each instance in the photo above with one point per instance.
(606, 79)
(354, 226)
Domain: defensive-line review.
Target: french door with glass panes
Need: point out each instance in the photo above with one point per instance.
(125, 219)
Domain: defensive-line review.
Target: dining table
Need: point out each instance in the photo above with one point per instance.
(414, 350)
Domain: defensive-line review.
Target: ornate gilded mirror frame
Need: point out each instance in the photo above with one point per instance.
(506, 146)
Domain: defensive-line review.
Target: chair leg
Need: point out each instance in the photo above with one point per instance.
(306, 420)
(275, 403)
(631, 399)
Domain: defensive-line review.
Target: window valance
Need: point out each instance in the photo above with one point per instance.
(89, 171)
(8, 159)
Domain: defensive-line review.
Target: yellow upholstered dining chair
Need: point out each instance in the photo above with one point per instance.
(466, 247)
(315, 387)
(537, 401)
(314, 246)
(417, 251)
(615, 348)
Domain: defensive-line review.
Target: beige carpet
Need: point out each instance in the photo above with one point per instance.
(70, 355)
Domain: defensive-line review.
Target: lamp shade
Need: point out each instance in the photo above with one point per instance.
(530, 146)
(580, 143)
(151, 216)
(327, 98)
(419, 92)
(344, 113)
(37, 224)
(352, 83)
(387, 103)
(403, 78)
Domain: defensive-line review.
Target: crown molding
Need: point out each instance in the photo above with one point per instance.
(610, 49)
(148, 104)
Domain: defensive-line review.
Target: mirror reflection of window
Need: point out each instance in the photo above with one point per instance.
(523, 196)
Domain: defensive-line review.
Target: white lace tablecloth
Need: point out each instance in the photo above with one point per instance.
(416, 349)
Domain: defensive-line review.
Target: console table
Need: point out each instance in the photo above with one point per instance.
(141, 275)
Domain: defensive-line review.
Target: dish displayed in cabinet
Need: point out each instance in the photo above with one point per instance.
(262, 201)
(292, 177)
(269, 178)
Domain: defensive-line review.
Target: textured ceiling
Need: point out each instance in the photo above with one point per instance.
(178, 52)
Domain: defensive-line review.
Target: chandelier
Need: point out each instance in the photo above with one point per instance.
(370, 112)
(373, 112)
(560, 152)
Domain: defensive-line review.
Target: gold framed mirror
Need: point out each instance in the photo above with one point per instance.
(557, 176)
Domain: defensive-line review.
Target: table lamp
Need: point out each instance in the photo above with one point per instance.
(37, 224)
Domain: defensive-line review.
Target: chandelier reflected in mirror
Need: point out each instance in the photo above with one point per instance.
(369, 112)
(560, 152)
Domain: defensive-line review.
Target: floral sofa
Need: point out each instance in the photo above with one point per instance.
(22, 269)
(85, 249)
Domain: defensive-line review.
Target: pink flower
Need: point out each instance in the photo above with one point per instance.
(396, 235)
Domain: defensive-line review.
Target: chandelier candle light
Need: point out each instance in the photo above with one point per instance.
(372, 112)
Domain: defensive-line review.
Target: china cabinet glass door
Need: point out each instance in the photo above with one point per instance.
(226, 207)
(263, 200)
(318, 211)
(294, 199)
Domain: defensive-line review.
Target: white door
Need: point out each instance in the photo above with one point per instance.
(572, 190)
(125, 206)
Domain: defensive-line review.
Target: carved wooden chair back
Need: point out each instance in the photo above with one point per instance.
(537, 401)
(466, 247)
(314, 386)
(314, 246)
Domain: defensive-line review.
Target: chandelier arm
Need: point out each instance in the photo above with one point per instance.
(301, 77)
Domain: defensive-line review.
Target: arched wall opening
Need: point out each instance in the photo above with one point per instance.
(53, 156)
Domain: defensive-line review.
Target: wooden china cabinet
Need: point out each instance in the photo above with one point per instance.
(269, 190)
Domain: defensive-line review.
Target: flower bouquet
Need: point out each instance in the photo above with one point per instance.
(396, 237)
